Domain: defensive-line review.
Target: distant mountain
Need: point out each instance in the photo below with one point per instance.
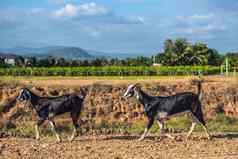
(55, 51)
(20, 50)
(65, 52)
(113, 54)
(10, 56)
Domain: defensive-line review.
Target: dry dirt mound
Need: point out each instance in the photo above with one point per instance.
(104, 101)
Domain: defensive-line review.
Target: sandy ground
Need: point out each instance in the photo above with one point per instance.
(121, 147)
(72, 82)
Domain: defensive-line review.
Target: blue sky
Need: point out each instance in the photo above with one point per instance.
(126, 26)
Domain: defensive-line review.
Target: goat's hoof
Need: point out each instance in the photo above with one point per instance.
(71, 139)
(140, 139)
(58, 141)
(209, 138)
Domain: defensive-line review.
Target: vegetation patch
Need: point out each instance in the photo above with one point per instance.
(175, 125)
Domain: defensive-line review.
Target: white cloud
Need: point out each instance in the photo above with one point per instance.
(195, 17)
(91, 9)
(204, 26)
(201, 30)
(86, 9)
(69, 10)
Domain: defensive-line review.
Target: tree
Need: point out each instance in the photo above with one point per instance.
(181, 52)
(51, 61)
(233, 58)
(214, 58)
(180, 45)
(169, 54)
(2, 62)
(31, 61)
(200, 51)
(20, 61)
(61, 62)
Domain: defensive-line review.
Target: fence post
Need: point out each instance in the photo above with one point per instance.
(227, 66)
(234, 72)
(221, 69)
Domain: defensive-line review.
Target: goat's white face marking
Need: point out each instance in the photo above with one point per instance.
(137, 95)
(130, 91)
(24, 95)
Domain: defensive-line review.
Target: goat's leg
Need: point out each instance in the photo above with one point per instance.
(191, 129)
(39, 122)
(206, 131)
(161, 126)
(52, 124)
(148, 126)
(76, 126)
(199, 118)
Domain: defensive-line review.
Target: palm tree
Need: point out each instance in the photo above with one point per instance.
(169, 54)
(200, 54)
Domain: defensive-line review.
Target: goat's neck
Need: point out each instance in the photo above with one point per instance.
(143, 97)
(34, 100)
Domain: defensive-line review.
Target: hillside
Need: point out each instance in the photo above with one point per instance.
(3, 55)
(67, 52)
(55, 51)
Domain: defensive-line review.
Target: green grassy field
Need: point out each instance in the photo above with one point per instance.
(175, 125)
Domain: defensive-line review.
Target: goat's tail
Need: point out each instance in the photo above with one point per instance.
(199, 87)
(198, 82)
(83, 92)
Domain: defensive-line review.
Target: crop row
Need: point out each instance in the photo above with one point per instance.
(109, 71)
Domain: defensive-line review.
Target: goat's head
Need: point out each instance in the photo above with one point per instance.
(131, 90)
(24, 95)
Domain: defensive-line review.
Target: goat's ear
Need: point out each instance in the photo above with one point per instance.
(137, 87)
(196, 81)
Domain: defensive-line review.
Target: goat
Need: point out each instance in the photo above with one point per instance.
(160, 107)
(49, 107)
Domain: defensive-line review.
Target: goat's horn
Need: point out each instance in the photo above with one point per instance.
(137, 84)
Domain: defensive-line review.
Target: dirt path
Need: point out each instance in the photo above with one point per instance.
(120, 147)
(74, 82)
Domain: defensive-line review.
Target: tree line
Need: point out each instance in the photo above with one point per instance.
(109, 71)
(178, 52)
(181, 52)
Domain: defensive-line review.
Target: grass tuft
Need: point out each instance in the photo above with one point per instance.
(221, 123)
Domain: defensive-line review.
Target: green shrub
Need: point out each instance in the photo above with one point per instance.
(109, 71)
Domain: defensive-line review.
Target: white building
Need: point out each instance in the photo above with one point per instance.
(10, 61)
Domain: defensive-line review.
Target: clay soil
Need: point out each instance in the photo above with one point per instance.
(121, 147)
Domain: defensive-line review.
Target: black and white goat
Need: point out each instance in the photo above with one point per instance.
(160, 107)
(49, 107)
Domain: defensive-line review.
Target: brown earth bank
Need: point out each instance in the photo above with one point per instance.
(104, 100)
(120, 147)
